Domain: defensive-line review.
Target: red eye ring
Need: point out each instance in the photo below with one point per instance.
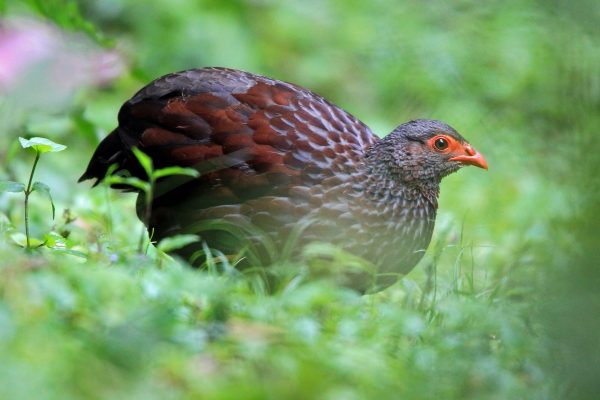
(441, 143)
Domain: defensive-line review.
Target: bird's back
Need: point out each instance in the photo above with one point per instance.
(259, 130)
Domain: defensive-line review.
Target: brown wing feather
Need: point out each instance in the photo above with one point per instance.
(270, 152)
(198, 115)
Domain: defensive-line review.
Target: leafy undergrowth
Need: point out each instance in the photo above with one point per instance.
(84, 316)
(117, 324)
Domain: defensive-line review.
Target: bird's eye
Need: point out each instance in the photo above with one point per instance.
(440, 144)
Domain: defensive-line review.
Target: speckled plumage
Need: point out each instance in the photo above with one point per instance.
(273, 154)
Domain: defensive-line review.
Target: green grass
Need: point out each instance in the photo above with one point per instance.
(128, 329)
(117, 325)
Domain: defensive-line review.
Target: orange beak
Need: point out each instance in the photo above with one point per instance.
(471, 157)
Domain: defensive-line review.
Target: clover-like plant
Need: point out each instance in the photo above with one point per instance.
(39, 145)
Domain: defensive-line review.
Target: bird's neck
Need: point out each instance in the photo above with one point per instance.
(389, 179)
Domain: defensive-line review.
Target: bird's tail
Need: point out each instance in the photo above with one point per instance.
(110, 151)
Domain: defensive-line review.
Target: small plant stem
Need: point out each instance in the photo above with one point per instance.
(140, 249)
(26, 202)
(149, 197)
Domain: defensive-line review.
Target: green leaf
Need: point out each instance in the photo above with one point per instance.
(70, 252)
(50, 240)
(123, 178)
(177, 242)
(129, 181)
(41, 145)
(159, 173)
(21, 240)
(42, 187)
(144, 160)
(10, 186)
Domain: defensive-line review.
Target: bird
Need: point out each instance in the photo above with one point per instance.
(278, 159)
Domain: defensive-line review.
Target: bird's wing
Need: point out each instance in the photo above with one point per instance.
(242, 131)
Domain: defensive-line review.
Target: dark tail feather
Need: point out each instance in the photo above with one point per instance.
(110, 151)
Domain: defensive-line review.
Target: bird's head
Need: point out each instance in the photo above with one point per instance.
(424, 151)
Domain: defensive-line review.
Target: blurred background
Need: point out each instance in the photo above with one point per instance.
(519, 78)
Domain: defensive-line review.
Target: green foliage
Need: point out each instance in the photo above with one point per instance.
(177, 242)
(67, 15)
(39, 146)
(12, 187)
(503, 306)
(146, 333)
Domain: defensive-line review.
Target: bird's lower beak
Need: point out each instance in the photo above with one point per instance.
(471, 157)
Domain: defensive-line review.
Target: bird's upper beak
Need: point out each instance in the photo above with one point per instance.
(471, 157)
